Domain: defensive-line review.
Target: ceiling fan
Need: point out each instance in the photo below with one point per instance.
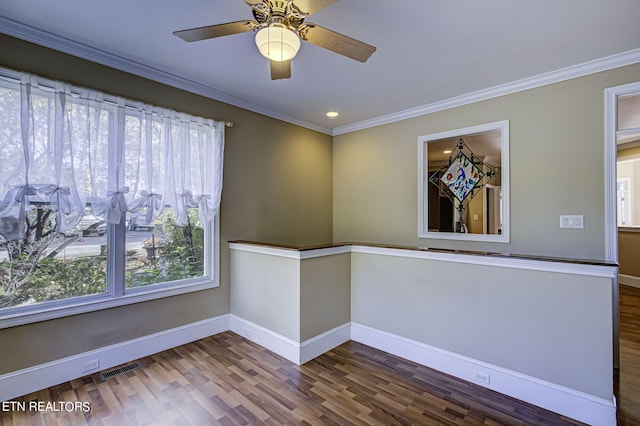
(279, 26)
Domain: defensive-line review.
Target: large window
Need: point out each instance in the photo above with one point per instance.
(103, 201)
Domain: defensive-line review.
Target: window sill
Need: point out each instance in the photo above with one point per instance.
(63, 308)
(628, 228)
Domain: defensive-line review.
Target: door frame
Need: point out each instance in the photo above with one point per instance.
(610, 192)
(610, 156)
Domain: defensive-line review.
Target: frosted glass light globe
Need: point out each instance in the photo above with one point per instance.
(277, 43)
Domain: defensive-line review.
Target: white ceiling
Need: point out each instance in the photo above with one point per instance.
(428, 51)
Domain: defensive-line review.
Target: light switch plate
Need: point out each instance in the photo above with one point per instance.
(572, 221)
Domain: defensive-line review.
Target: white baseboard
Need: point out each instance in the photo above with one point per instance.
(568, 402)
(296, 352)
(316, 346)
(629, 280)
(264, 337)
(22, 382)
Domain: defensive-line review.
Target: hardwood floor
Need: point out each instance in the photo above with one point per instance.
(227, 380)
(628, 377)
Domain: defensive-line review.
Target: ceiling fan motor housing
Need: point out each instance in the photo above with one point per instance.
(279, 26)
(278, 11)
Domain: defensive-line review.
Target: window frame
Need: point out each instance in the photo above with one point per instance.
(121, 296)
(116, 292)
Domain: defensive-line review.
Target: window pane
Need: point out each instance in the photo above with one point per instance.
(628, 190)
(10, 137)
(161, 251)
(47, 265)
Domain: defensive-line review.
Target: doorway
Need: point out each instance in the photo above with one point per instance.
(622, 129)
(622, 123)
(628, 186)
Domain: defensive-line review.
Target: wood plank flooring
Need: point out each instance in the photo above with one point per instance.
(627, 378)
(227, 380)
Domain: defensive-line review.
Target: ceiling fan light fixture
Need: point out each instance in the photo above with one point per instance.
(277, 43)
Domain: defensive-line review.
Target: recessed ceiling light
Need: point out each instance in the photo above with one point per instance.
(332, 114)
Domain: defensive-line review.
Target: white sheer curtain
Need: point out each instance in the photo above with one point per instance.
(190, 150)
(68, 147)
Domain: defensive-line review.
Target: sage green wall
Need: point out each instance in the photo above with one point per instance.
(548, 325)
(556, 158)
(297, 299)
(325, 294)
(266, 291)
(277, 188)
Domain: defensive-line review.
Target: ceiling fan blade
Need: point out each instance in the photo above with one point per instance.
(212, 31)
(336, 42)
(280, 70)
(309, 7)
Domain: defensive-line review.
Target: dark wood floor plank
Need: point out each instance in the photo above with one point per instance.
(228, 380)
(627, 378)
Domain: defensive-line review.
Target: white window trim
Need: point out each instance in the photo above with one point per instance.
(629, 228)
(44, 311)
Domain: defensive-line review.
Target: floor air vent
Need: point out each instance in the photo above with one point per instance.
(118, 371)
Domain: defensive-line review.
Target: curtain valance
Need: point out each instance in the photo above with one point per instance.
(75, 148)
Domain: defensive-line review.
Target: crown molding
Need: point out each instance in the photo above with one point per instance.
(65, 45)
(603, 64)
(71, 47)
